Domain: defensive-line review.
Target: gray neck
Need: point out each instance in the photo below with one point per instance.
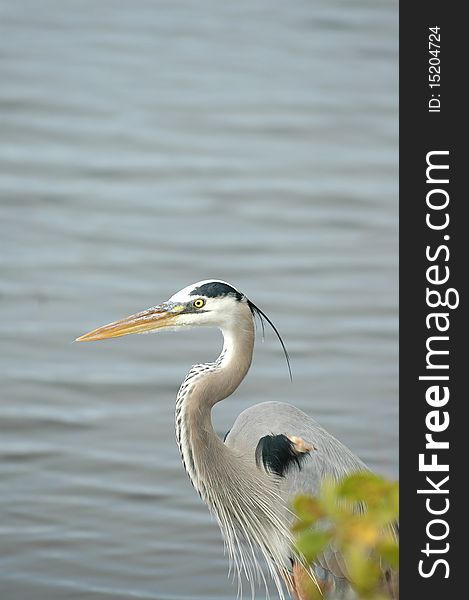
(201, 449)
(244, 499)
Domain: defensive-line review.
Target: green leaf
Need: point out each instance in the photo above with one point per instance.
(364, 486)
(329, 499)
(389, 550)
(308, 509)
(312, 542)
(364, 570)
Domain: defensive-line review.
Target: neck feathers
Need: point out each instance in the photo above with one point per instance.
(243, 499)
(204, 386)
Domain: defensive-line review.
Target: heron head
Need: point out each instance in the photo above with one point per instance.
(206, 303)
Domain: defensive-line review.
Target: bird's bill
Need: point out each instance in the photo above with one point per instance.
(156, 317)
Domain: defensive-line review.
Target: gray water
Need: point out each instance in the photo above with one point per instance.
(143, 146)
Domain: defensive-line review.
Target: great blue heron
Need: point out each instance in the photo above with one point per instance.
(273, 451)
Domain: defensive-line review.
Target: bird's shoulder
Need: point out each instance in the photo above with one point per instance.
(266, 432)
(270, 417)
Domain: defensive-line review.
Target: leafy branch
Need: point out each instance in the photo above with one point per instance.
(356, 516)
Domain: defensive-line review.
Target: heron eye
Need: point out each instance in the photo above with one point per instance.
(198, 303)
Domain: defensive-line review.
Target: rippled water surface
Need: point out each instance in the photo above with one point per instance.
(143, 146)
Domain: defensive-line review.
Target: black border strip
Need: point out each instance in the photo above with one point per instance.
(421, 132)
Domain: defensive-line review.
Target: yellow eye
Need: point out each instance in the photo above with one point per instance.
(198, 303)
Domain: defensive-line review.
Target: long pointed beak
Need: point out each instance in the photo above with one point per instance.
(156, 317)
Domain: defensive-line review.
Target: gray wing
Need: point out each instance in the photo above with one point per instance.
(328, 458)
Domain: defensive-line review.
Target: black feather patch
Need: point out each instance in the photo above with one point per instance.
(277, 454)
(216, 289)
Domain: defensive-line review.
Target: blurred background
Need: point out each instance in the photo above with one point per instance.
(144, 146)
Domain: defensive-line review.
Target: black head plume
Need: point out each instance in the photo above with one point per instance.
(257, 312)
